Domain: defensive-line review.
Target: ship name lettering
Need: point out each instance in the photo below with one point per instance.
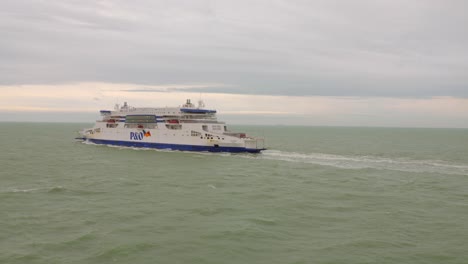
(136, 135)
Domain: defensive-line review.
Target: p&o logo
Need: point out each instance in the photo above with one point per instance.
(139, 135)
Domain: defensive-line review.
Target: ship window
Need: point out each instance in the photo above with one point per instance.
(140, 119)
(195, 133)
(205, 128)
(225, 128)
(174, 127)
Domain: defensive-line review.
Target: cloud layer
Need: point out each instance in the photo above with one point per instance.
(362, 62)
(361, 48)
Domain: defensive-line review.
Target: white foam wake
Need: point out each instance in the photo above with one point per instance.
(339, 161)
(362, 162)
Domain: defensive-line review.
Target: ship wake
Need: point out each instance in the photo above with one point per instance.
(371, 162)
(338, 161)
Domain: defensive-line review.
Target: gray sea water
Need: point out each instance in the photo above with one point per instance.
(318, 195)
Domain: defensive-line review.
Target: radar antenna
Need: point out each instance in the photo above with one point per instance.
(201, 104)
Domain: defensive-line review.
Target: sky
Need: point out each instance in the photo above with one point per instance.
(276, 62)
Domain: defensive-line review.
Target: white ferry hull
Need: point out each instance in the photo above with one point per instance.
(186, 129)
(174, 140)
(180, 147)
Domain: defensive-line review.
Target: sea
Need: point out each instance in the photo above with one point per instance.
(317, 195)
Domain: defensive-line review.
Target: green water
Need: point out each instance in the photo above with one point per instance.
(319, 195)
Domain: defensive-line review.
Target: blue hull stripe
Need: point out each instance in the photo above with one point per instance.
(173, 146)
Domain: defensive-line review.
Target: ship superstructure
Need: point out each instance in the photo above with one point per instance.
(187, 128)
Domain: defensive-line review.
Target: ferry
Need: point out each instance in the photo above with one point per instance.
(187, 128)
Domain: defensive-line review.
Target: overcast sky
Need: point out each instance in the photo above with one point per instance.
(370, 63)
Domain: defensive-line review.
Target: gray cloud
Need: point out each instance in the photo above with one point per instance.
(337, 48)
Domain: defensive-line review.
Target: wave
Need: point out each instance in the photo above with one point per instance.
(31, 190)
(47, 189)
(364, 162)
(15, 190)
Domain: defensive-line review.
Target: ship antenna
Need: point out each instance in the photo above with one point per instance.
(201, 104)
